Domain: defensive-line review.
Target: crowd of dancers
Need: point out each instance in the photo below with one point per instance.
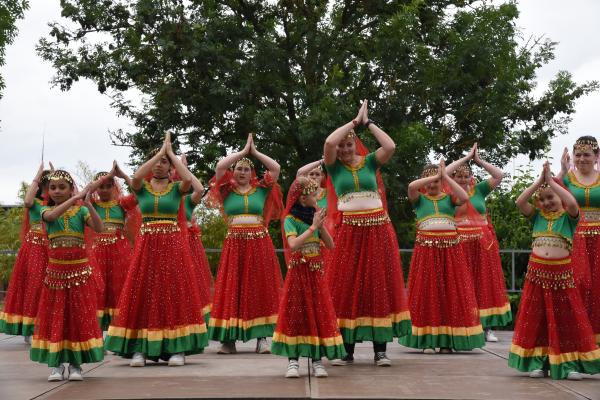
(133, 266)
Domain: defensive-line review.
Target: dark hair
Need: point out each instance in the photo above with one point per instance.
(57, 175)
(154, 152)
(43, 181)
(591, 140)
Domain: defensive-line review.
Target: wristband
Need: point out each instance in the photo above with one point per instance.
(369, 122)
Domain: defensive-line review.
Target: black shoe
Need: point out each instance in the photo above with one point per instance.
(381, 359)
(348, 359)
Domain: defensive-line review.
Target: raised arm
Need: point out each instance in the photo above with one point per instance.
(565, 196)
(118, 172)
(146, 168)
(522, 201)
(459, 192)
(332, 141)
(565, 163)
(33, 188)
(56, 212)
(303, 171)
(296, 241)
(95, 222)
(387, 145)
(461, 161)
(495, 172)
(272, 166)
(184, 173)
(414, 186)
(227, 161)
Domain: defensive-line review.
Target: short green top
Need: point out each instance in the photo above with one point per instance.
(71, 223)
(431, 207)
(35, 212)
(159, 205)
(347, 179)
(110, 211)
(296, 227)
(557, 224)
(322, 201)
(478, 194)
(189, 205)
(588, 197)
(251, 202)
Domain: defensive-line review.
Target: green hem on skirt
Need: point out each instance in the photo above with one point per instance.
(443, 341)
(497, 320)
(43, 356)
(375, 333)
(18, 329)
(235, 333)
(124, 347)
(308, 350)
(557, 371)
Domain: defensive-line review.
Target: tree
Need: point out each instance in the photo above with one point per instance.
(10, 12)
(439, 74)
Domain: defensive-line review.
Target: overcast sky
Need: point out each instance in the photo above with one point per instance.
(76, 123)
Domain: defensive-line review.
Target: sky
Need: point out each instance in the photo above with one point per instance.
(75, 124)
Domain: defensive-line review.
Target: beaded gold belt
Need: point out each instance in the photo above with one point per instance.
(64, 274)
(159, 227)
(247, 232)
(588, 228)
(348, 197)
(471, 233)
(426, 223)
(107, 238)
(550, 274)
(310, 249)
(373, 217)
(66, 241)
(112, 226)
(314, 263)
(36, 237)
(440, 239)
(551, 241)
(591, 215)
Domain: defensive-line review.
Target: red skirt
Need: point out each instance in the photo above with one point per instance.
(22, 299)
(482, 253)
(552, 329)
(202, 270)
(442, 300)
(364, 274)
(66, 329)
(159, 311)
(110, 256)
(586, 266)
(247, 286)
(307, 325)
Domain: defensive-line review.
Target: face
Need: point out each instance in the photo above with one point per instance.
(105, 191)
(584, 160)
(161, 168)
(60, 191)
(346, 150)
(463, 178)
(316, 175)
(242, 174)
(434, 188)
(309, 200)
(549, 201)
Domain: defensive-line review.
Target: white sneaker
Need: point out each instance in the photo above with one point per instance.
(429, 350)
(319, 370)
(536, 373)
(489, 336)
(57, 374)
(262, 347)
(27, 339)
(340, 362)
(177, 360)
(574, 376)
(75, 373)
(227, 348)
(293, 369)
(138, 360)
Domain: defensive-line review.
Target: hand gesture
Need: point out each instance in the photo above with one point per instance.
(442, 169)
(359, 117)
(253, 149)
(39, 173)
(365, 112)
(118, 171)
(248, 146)
(318, 219)
(51, 166)
(547, 172)
(565, 161)
(167, 143)
(82, 193)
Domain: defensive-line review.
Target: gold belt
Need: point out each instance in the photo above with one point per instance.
(159, 226)
(348, 197)
(66, 241)
(440, 239)
(373, 217)
(247, 232)
(550, 241)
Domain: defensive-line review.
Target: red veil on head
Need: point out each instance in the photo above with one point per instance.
(334, 217)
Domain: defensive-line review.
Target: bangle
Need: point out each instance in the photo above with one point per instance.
(354, 122)
(311, 228)
(369, 122)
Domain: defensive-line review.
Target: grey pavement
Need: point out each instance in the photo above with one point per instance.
(481, 374)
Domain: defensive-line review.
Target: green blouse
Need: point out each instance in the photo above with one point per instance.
(347, 179)
(251, 202)
(159, 205)
(71, 223)
(296, 227)
(110, 211)
(588, 197)
(322, 201)
(35, 212)
(557, 224)
(189, 205)
(478, 194)
(433, 207)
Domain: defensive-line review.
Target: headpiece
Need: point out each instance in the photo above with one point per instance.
(245, 162)
(430, 170)
(540, 189)
(350, 135)
(100, 175)
(309, 187)
(464, 168)
(586, 144)
(61, 174)
(45, 176)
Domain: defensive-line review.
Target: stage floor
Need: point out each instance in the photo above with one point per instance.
(481, 374)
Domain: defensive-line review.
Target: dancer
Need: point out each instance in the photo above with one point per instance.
(317, 173)
(583, 181)
(159, 311)
(479, 242)
(363, 269)
(442, 300)
(306, 325)
(552, 331)
(111, 249)
(66, 328)
(22, 299)
(249, 277)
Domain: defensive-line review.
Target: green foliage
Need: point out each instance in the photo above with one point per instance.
(10, 12)
(439, 74)
(10, 227)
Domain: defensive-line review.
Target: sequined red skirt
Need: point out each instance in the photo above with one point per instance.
(552, 330)
(307, 324)
(201, 269)
(66, 328)
(443, 306)
(482, 254)
(247, 286)
(586, 267)
(22, 300)
(364, 275)
(110, 256)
